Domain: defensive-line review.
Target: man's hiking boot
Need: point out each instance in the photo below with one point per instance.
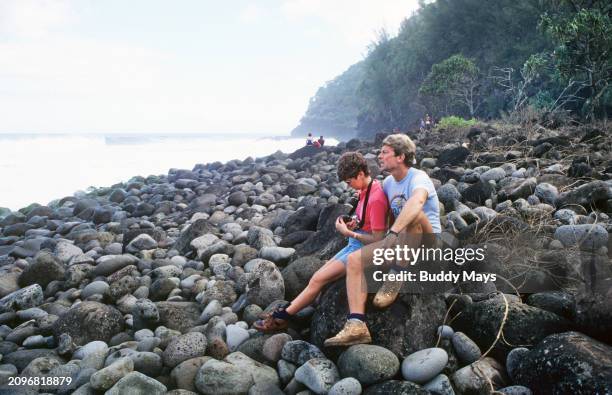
(387, 294)
(354, 332)
(271, 324)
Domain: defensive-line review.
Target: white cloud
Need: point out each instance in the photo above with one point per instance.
(357, 21)
(34, 18)
(252, 13)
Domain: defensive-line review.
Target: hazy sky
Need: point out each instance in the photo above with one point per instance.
(184, 65)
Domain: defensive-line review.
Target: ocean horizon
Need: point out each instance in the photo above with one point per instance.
(42, 167)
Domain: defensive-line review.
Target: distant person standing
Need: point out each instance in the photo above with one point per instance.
(321, 141)
(428, 122)
(309, 139)
(422, 125)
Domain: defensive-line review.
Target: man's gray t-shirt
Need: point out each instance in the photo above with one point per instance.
(398, 192)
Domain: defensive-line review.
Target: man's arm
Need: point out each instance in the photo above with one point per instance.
(411, 210)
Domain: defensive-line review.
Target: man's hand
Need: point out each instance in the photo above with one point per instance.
(390, 240)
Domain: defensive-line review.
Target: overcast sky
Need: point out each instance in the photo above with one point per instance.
(184, 65)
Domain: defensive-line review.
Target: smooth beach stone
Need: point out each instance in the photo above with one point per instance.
(96, 346)
(466, 350)
(108, 376)
(440, 385)
(422, 366)
(286, 371)
(273, 347)
(217, 377)
(445, 332)
(136, 383)
(148, 363)
(212, 309)
(235, 336)
(368, 363)
(318, 374)
(96, 287)
(261, 373)
(347, 386)
(185, 372)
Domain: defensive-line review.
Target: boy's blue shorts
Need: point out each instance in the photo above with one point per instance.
(353, 245)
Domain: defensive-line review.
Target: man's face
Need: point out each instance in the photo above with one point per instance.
(388, 160)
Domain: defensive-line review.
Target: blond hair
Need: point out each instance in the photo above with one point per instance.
(402, 144)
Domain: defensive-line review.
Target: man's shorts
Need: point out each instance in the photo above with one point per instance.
(353, 245)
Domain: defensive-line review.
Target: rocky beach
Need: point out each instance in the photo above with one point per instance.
(151, 286)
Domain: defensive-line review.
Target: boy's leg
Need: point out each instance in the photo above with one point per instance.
(331, 271)
(278, 320)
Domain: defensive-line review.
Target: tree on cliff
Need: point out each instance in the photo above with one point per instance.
(582, 34)
(453, 81)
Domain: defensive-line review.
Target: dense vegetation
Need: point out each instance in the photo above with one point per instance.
(473, 58)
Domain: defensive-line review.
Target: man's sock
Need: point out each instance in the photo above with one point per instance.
(356, 316)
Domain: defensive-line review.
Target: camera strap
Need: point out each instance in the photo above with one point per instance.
(365, 205)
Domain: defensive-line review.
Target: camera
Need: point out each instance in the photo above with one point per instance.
(348, 218)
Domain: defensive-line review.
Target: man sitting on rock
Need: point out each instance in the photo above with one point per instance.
(414, 205)
(367, 226)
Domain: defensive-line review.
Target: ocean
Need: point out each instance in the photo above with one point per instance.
(43, 167)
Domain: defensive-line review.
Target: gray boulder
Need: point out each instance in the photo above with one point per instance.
(568, 362)
(318, 374)
(89, 321)
(368, 363)
(136, 383)
(184, 347)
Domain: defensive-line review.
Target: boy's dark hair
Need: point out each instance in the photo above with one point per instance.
(350, 164)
